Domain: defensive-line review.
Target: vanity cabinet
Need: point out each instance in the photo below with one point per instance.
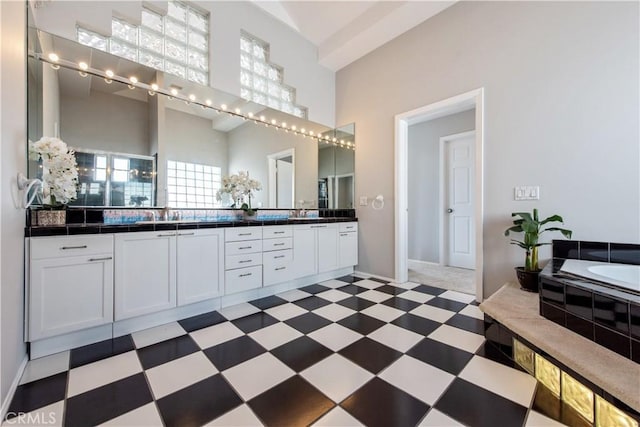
(347, 244)
(277, 256)
(315, 249)
(71, 284)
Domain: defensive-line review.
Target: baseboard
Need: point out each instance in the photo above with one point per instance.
(364, 275)
(420, 262)
(12, 390)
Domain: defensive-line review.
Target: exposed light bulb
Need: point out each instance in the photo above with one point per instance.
(238, 111)
(154, 86)
(263, 118)
(334, 139)
(192, 97)
(284, 124)
(83, 67)
(273, 121)
(109, 73)
(223, 107)
(250, 115)
(208, 102)
(311, 132)
(303, 130)
(174, 91)
(293, 127)
(133, 80)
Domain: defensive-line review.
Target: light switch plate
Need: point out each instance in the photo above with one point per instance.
(530, 192)
(364, 201)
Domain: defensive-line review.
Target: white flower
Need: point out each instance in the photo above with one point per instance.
(59, 169)
(238, 187)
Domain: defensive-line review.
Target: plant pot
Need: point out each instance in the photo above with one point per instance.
(252, 216)
(528, 279)
(51, 217)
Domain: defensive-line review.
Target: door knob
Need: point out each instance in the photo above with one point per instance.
(449, 210)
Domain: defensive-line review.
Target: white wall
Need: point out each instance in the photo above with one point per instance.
(561, 111)
(13, 136)
(315, 84)
(424, 185)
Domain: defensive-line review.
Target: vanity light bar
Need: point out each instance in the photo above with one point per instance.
(172, 93)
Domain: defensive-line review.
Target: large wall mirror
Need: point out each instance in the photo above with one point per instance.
(136, 147)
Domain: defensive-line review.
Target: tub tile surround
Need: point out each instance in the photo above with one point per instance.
(607, 316)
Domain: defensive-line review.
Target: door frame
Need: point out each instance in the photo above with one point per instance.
(444, 191)
(272, 178)
(455, 104)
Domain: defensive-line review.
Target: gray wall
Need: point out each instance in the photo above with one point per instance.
(424, 185)
(13, 133)
(561, 111)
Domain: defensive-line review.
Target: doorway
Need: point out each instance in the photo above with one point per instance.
(282, 179)
(460, 243)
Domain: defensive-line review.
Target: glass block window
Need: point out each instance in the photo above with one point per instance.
(262, 81)
(191, 185)
(177, 43)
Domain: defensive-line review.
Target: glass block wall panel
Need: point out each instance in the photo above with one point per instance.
(262, 81)
(577, 396)
(89, 38)
(191, 185)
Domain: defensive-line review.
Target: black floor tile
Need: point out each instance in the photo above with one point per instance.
(392, 290)
(255, 321)
(440, 355)
(361, 323)
(370, 354)
(39, 393)
(417, 324)
(473, 405)
(446, 304)
(353, 289)
(491, 352)
(314, 289)
(301, 353)
(467, 323)
(308, 322)
(166, 351)
(426, 289)
(233, 352)
(199, 403)
(101, 350)
(350, 279)
(202, 321)
(401, 303)
(356, 303)
(378, 403)
(268, 302)
(312, 303)
(375, 279)
(292, 402)
(107, 402)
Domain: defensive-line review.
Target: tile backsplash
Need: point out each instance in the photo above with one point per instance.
(621, 253)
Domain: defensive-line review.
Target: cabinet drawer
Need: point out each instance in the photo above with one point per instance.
(67, 246)
(277, 231)
(278, 270)
(347, 226)
(243, 279)
(242, 233)
(247, 247)
(277, 244)
(277, 257)
(242, 260)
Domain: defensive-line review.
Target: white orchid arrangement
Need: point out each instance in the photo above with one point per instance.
(59, 170)
(239, 187)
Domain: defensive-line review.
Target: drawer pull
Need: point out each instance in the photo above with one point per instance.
(244, 234)
(278, 232)
(244, 261)
(64, 248)
(344, 234)
(186, 234)
(107, 258)
(278, 256)
(245, 247)
(318, 226)
(280, 268)
(278, 244)
(167, 235)
(245, 274)
(349, 227)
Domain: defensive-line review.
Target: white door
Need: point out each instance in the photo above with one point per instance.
(459, 200)
(200, 268)
(284, 184)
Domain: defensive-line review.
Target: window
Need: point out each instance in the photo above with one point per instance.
(177, 42)
(191, 185)
(262, 81)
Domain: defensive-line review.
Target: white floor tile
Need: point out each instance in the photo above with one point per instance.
(536, 419)
(240, 417)
(97, 374)
(383, 312)
(369, 284)
(423, 381)
(406, 285)
(285, 311)
(158, 334)
(375, 296)
(337, 417)
(509, 383)
(275, 335)
(216, 334)
(294, 295)
(50, 416)
(472, 311)
(458, 338)
(336, 377)
(334, 312)
(145, 416)
(333, 284)
(334, 295)
(43, 367)
(416, 296)
(436, 418)
(334, 336)
(179, 373)
(433, 313)
(257, 375)
(237, 311)
(396, 337)
(458, 296)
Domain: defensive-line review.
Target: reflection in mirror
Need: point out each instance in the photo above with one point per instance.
(176, 151)
(336, 182)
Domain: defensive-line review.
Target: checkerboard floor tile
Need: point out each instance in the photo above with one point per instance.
(349, 351)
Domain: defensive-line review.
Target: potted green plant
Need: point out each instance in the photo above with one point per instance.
(532, 227)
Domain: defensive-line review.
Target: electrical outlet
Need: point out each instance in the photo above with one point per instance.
(364, 201)
(526, 192)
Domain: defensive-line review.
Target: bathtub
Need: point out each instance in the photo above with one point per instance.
(620, 275)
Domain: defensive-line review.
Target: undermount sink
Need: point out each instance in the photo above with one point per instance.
(168, 221)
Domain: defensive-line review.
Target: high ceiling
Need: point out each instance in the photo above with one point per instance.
(344, 31)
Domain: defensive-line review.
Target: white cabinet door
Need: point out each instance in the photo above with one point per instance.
(327, 239)
(304, 251)
(277, 267)
(68, 294)
(348, 249)
(200, 267)
(145, 273)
